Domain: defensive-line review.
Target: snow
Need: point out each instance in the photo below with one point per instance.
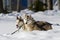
(8, 25)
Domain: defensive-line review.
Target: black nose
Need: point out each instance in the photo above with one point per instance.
(17, 26)
(26, 22)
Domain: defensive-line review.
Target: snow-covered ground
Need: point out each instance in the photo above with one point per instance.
(8, 21)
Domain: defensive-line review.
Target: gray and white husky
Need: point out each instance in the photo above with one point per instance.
(19, 22)
(29, 24)
(41, 25)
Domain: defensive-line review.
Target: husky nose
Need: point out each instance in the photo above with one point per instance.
(17, 26)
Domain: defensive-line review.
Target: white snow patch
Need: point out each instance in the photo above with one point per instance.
(7, 26)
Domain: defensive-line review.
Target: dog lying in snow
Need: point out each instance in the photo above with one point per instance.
(29, 24)
(20, 23)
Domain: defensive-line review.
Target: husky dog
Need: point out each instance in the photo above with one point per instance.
(27, 23)
(19, 22)
(31, 24)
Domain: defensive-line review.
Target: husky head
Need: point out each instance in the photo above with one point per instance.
(19, 22)
(28, 19)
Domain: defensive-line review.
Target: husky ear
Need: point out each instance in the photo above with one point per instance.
(20, 17)
(29, 15)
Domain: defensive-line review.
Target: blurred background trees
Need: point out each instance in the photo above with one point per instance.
(7, 6)
(59, 4)
(49, 4)
(41, 5)
(37, 6)
(1, 6)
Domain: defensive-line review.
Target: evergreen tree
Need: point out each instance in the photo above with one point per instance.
(59, 4)
(37, 6)
(18, 6)
(1, 6)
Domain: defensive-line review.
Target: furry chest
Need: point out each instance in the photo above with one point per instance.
(28, 27)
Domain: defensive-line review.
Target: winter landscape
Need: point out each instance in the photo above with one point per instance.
(8, 25)
(8, 21)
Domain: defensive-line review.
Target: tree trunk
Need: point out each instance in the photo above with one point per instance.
(59, 4)
(45, 5)
(10, 8)
(18, 6)
(49, 4)
(29, 3)
(1, 5)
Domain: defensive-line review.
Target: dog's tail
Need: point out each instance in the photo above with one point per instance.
(53, 24)
(56, 24)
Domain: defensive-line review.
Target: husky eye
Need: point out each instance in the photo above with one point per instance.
(27, 16)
